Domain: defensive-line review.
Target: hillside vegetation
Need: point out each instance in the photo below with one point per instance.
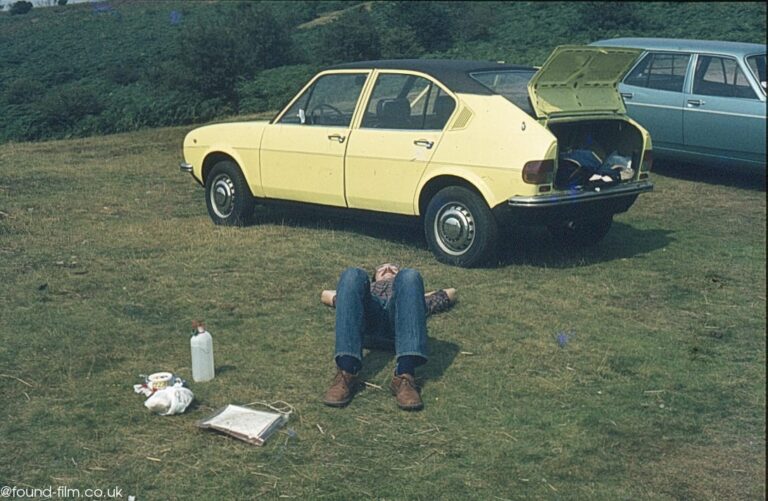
(100, 68)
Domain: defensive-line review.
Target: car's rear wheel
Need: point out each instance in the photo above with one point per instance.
(582, 232)
(460, 228)
(227, 196)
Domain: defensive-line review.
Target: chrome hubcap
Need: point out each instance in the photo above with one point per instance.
(222, 196)
(454, 228)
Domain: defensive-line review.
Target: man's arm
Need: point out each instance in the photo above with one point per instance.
(440, 300)
(434, 303)
(451, 293)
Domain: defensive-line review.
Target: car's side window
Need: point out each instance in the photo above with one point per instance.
(757, 67)
(660, 71)
(407, 102)
(721, 76)
(330, 100)
(439, 109)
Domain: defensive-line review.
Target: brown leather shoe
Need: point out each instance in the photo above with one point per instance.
(406, 392)
(341, 391)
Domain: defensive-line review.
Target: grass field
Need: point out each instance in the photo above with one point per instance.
(107, 254)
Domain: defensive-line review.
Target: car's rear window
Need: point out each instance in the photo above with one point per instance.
(512, 84)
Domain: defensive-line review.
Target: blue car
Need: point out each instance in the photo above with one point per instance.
(702, 101)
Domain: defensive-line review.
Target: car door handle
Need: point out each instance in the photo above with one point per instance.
(337, 137)
(696, 102)
(424, 143)
(627, 95)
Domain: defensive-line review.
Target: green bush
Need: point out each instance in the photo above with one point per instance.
(64, 107)
(473, 20)
(22, 123)
(351, 38)
(607, 19)
(429, 23)
(124, 72)
(21, 7)
(400, 42)
(23, 91)
(234, 43)
(58, 73)
(271, 89)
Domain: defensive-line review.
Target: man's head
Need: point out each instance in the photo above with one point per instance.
(385, 271)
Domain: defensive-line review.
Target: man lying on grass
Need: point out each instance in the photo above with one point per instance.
(390, 313)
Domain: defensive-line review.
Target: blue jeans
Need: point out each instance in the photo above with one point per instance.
(367, 321)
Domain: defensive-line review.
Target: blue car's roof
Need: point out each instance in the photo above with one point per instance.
(735, 49)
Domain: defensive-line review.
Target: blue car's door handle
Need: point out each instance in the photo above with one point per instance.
(627, 95)
(696, 102)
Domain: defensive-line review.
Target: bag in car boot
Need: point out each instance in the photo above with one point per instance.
(584, 168)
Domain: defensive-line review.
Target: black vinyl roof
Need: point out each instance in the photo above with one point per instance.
(454, 74)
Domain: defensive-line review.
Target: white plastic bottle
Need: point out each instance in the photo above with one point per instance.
(202, 353)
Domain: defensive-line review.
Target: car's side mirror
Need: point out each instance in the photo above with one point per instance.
(302, 116)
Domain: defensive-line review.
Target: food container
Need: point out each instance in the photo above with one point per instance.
(159, 380)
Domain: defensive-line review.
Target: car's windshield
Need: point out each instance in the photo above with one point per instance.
(512, 84)
(757, 65)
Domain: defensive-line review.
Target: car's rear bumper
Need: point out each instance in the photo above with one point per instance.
(565, 206)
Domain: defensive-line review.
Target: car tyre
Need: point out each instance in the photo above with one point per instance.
(460, 228)
(227, 195)
(582, 232)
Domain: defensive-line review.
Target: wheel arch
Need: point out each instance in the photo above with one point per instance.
(213, 158)
(216, 156)
(437, 183)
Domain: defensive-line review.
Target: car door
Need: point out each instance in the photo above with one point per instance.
(398, 133)
(723, 115)
(302, 153)
(653, 95)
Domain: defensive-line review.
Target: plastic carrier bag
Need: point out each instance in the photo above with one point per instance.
(170, 400)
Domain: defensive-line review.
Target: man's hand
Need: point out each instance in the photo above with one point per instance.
(328, 298)
(451, 293)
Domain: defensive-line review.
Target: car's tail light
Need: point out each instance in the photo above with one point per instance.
(647, 161)
(538, 171)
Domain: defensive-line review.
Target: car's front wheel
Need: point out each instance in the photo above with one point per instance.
(582, 232)
(460, 228)
(227, 196)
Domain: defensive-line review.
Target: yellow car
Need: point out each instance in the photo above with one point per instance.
(465, 146)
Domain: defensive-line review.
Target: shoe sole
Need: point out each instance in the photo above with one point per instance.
(416, 407)
(341, 403)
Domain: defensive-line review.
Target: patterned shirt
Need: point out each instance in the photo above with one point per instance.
(436, 302)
